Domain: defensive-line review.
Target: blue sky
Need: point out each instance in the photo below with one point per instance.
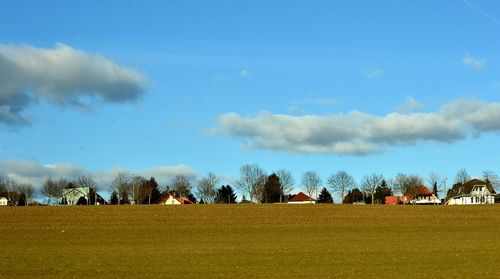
(166, 87)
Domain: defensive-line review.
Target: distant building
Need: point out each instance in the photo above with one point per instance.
(422, 196)
(171, 199)
(393, 200)
(72, 196)
(301, 198)
(4, 201)
(479, 194)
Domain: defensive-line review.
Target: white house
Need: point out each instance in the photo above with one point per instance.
(4, 201)
(478, 195)
(72, 195)
(423, 196)
(169, 200)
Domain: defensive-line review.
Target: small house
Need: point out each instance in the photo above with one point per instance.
(171, 199)
(421, 196)
(4, 201)
(301, 198)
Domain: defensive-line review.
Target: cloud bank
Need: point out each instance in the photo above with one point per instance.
(36, 173)
(62, 75)
(358, 133)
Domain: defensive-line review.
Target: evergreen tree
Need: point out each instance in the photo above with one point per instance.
(354, 195)
(435, 189)
(225, 194)
(21, 200)
(153, 192)
(325, 196)
(114, 198)
(272, 189)
(381, 192)
(124, 198)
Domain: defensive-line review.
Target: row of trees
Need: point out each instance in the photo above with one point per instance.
(253, 181)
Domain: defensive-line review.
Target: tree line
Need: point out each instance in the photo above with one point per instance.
(253, 182)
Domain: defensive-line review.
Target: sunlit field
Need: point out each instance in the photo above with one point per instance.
(230, 241)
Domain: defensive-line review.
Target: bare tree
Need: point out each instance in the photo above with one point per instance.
(138, 186)
(341, 182)
(3, 184)
(85, 181)
(206, 187)
(462, 176)
(369, 183)
(287, 182)
(438, 180)
(492, 177)
(120, 185)
(252, 180)
(58, 188)
(399, 182)
(6, 187)
(181, 185)
(47, 187)
(311, 182)
(434, 178)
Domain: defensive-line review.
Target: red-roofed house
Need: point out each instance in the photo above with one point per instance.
(422, 195)
(301, 198)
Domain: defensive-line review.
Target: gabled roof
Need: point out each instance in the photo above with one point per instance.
(301, 197)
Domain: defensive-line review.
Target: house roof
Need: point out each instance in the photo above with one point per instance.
(469, 185)
(421, 190)
(301, 197)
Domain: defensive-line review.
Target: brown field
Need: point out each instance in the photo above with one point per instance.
(249, 241)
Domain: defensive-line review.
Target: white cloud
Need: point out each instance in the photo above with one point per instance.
(473, 62)
(245, 73)
(360, 133)
(372, 73)
(36, 173)
(61, 75)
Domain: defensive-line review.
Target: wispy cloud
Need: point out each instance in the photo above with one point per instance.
(372, 73)
(359, 133)
(62, 75)
(473, 62)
